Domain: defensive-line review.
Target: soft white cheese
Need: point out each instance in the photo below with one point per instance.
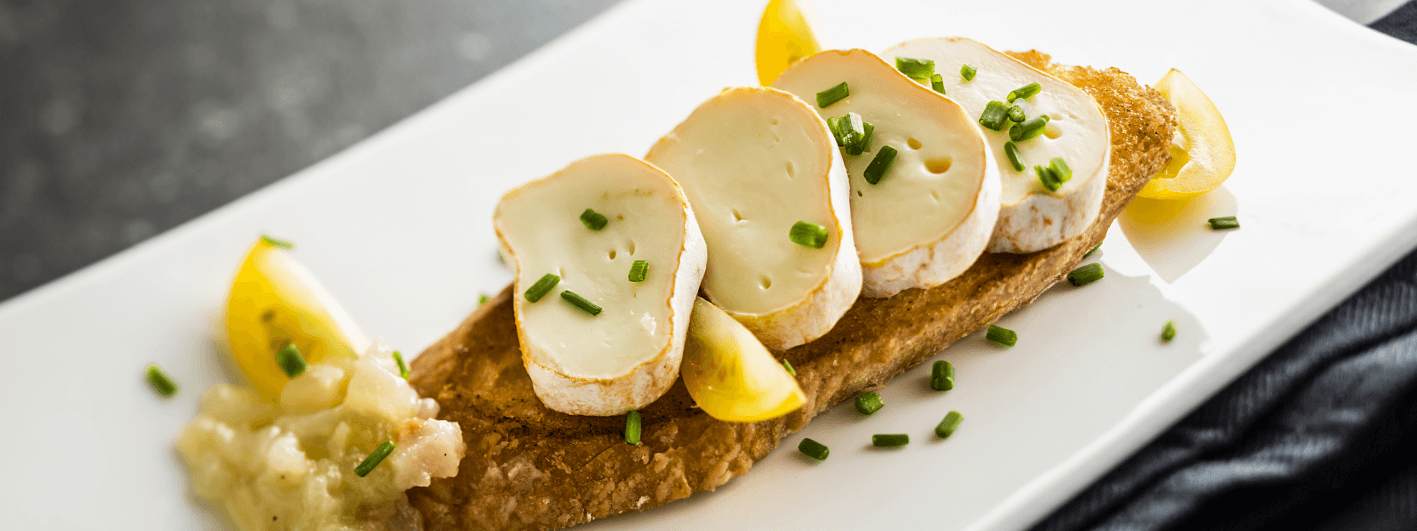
(753, 162)
(931, 215)
(1031, 218)
(628, 355)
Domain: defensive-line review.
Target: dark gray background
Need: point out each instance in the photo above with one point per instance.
(122, 119)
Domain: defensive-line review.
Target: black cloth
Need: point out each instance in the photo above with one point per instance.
(1321, 434)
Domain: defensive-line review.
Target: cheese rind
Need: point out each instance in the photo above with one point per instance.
(1031, 217)
(752, 162)
(931, 214)
(628, 355)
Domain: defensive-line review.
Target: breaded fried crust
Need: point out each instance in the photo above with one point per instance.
(528, 467)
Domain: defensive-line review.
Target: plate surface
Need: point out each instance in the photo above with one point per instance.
(398, 227)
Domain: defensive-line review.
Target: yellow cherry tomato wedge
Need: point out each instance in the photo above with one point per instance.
(1202, 152)
(784, 36)
(275, 301)
(730, 374)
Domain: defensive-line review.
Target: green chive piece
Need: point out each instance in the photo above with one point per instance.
(290, 360)
(1016, 114)
(580, 302)
(277, 242)
(1227, 222)
(1050, 180)
(919, 69)
(1025, 92)
(377, 456)
(864, 143)
(937, 82)
(1086, 274)
(1011, 149)
(1061, 169)
(788, 365)
(876, 170)
(1001, 336)
(995, 116)
(888, 440)
(1168, 331)
(632, 428)
(160, 381)
(808, 234)
(832, 95)
(942, 376)
(849, 130)
(813, 449)
(403, 367)
(542, 287)
(482, 299)
(1094, 250)
(1029, 129)
(593, 220)
(968, 72)
(947, 427)
(869, 402)
(639, 270)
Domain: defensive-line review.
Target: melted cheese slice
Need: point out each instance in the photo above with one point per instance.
(1031, 218)
(753, 162)
(628, 355)
(931, 214)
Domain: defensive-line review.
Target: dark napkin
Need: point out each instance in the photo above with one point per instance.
(1321, 434)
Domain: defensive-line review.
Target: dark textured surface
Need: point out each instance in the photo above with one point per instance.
(122, 119)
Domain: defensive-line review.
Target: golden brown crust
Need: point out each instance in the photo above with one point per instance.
(528, 467)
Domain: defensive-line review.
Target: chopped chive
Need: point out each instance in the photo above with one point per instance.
(1061, 168)
(942, 376)
(1029, 129)
(482, 299)
(788, 365)
(377, 456)
(864, 143)
(869, 402)
(1016, 114)
(832, 95)
(580, 302)
(290, 360)
(541, 287)
(593, 220)
(1048, 177)
(813, 449)
(887, 440)
(1227, 222)
(968, 72)
(632, 428)
(876, 170)
(1085, 274)
(403, 367)
(1011, 149)
(639, 270)
(995, 116)
(1094, 250)
(1168, 331)
(808, 234)
(849, 130)
(920, 69)
(160, 381)
(937, 83)
(1025, 92)
(947, 427)
(277, 242)
(1001, 336)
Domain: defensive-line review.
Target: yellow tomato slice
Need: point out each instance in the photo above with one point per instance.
(274, 302)
(784, 36)
(1202, 152)
(730, 374)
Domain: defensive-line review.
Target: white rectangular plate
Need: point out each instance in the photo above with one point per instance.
(398, 227)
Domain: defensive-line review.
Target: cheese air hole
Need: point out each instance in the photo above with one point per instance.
(632, 247)
(791, 170)
(913, 143)
(1051, 131)
(612, 254)
(934, 196)
(737, 217)
(938, 165)
(765, 282)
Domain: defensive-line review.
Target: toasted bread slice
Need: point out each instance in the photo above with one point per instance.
(528, 467)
